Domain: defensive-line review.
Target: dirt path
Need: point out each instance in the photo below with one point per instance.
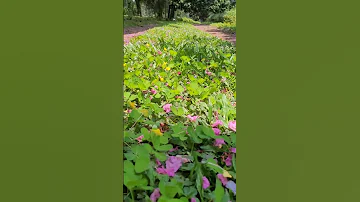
(218, 33)
(131, 32)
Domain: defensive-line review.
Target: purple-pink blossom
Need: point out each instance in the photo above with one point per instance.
(222, 179)
(193, 200)
(155, 195)
(205, 183)
(233, 150)
(192, 118)
(228, 160)
(217, 131)
(208, 72)
(167, 108)
(173, 164)
(158, 162)
(217, 123)
(232, 125)
(161, 170)
(219, 142)
(153, 91)
(139, 139)
(174, 149)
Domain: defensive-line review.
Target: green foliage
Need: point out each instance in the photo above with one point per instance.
(230, 16)
(228, 22)
(188, 20)
(217, 17)
(200, 10)
(227, 27)
(194, 72)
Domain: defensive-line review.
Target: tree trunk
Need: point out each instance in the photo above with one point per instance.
(138, 7)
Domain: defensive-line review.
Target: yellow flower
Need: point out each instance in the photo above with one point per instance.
(226, 174)
(147, 45)
(167, 68)
(124, 64)
(132, 105)
(145, 112)
(157, 132)
(165, 49)
(161, 79)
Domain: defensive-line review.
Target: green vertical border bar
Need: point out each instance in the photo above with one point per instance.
(122, 99)
(61, 100)
(298, 101)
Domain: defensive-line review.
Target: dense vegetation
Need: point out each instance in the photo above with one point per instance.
(180, 116)
(225, 21)
(195, 9)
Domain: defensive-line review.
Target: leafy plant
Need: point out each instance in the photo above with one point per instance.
(180, 112)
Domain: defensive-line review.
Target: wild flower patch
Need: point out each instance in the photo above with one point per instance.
(180, 116)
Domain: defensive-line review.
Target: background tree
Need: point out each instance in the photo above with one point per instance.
(138, 7)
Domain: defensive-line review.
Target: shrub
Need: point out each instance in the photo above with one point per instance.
(188, 20)
(230, 16)
(218, 17)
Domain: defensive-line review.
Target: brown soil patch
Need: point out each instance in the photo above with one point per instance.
(131, 32)
(218, 33)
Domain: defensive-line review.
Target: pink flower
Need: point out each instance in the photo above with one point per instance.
(219, 142)
(166, 84)
(222, 179)
(208, 72)
(192, 118)
(232, 125)
(158, 162)
(139, 139)
(174, 149)
(159, 52)
(161, 170)
(228, 160)
(217, 131)
(155, 195)
(193, 200)
(155, 87)
(179, 73)
(167, 108)
(206, 183)
(188, 82)
(217, 122)
(233, 150)
(151, 97)
(173, 164)
(153, 91)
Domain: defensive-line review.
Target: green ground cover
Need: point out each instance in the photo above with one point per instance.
(227, 21)
(180, 116)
